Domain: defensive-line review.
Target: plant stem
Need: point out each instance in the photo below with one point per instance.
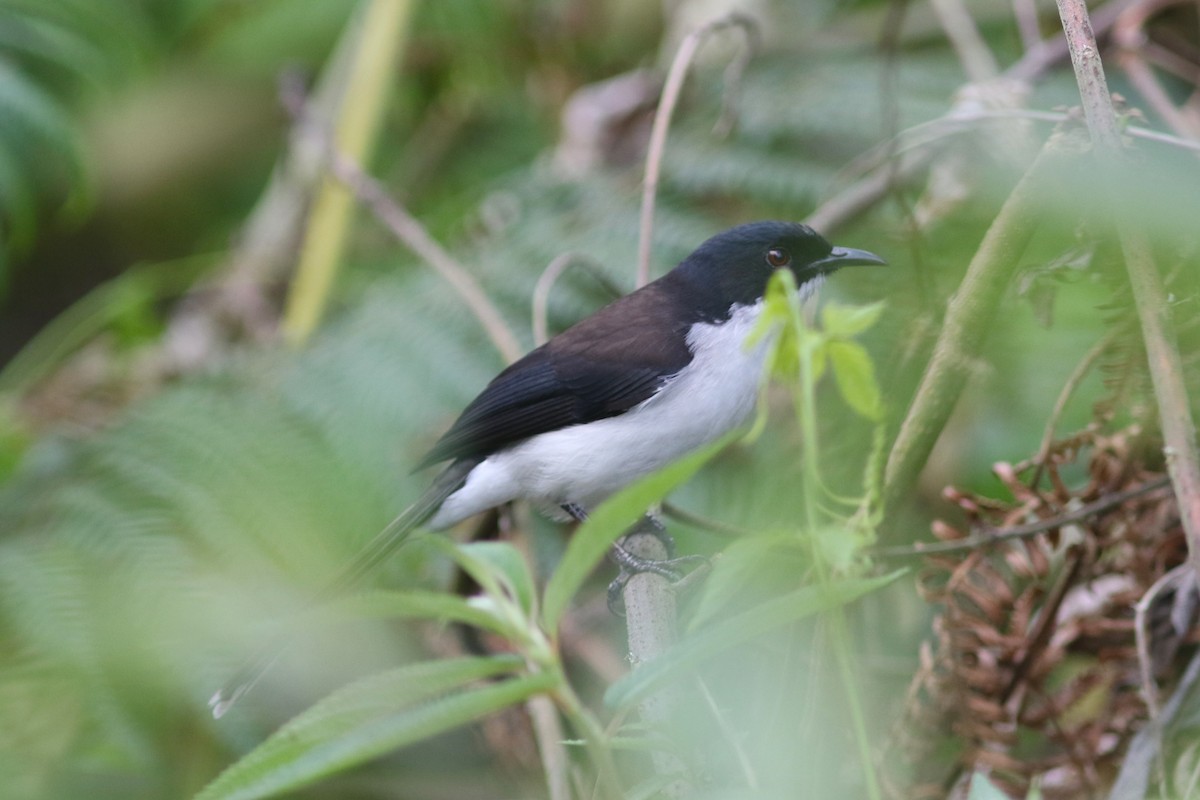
(1154, 312)
(380, 31)
(650, 622)
(968, 319)
(806, 410)
(593, 736)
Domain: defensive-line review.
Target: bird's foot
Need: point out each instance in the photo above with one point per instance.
(679, 571)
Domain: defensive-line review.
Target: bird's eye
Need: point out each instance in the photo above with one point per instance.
(778, 257)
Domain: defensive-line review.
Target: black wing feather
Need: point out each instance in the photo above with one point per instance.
(604, 366)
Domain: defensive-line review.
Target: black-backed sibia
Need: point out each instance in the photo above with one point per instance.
(626, 391)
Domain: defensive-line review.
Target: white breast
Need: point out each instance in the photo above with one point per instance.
(584, 464)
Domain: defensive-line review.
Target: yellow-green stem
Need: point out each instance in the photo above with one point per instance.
(806, 404)
(381, 30)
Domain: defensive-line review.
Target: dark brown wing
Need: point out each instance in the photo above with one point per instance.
(601, 367)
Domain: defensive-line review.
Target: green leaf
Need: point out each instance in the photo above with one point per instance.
(610, 521)
(506, 563)
(373, 717)
(856, 378)
(842, 321)
(717, 638)
(748, 568)
(421, 605)
(497, 567)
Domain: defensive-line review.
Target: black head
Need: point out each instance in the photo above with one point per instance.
(734, 267)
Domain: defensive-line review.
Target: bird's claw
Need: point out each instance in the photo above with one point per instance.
(679, 573)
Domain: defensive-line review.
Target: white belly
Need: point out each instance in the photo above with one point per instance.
(584, 464)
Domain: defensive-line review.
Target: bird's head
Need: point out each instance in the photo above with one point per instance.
(734, 267)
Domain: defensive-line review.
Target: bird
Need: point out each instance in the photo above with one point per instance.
(627, 390)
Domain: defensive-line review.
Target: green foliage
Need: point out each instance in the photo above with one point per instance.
(372, 717)
(139, 562)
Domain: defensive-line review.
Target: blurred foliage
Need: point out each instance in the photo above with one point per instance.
(155, 527)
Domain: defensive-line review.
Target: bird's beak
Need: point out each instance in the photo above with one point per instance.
(847, 257)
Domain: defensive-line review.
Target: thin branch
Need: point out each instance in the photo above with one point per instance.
(1064, 396)
(662, 123)
(990, 536)
(1141, 630)
(863, 194)
(1129, 34)
(1026, 14)
(974, 54)
(549, 733)
(407, 230)
(1154, 312)
(541, 292)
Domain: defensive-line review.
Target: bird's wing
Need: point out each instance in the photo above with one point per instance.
(604, 366)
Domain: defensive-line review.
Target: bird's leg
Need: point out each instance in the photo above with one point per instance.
(631, 564)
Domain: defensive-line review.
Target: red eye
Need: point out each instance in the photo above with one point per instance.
(778, 257)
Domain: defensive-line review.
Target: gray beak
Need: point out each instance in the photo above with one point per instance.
(847, 257)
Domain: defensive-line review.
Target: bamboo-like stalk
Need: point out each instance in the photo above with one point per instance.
(1149, 297)
(381, 30)
(969, 316)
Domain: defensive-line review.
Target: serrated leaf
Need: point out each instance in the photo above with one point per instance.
(370, 718)
(844, 321)
(608, 522)
(725, 635)
(855, 375)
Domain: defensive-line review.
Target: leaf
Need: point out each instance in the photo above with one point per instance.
(841, 321)
(610, 521)
(856, 378)
(373, 717)
(421, 605)
(747, 568)
(506, 563)
(722, 636)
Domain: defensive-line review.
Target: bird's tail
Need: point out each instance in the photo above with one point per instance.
(386, 542)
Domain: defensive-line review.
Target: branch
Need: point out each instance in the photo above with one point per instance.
(1162, 351)
(990, 536)
(977, 60)
(650, 621)
(969, 315)
(407, 230)
(662, 122)
(869, 190)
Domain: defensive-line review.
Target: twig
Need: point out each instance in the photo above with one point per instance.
(1073, 380)
(380, 33)
(1026, 14)
(990, 536)
(662, 122)
(969, 315)
(555, 763)
(977, 60)
(1162, 351)
(407, 230)
(650, 621)
(1129, 34)
(541, 292)
(1141, 630)
(861, 195)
